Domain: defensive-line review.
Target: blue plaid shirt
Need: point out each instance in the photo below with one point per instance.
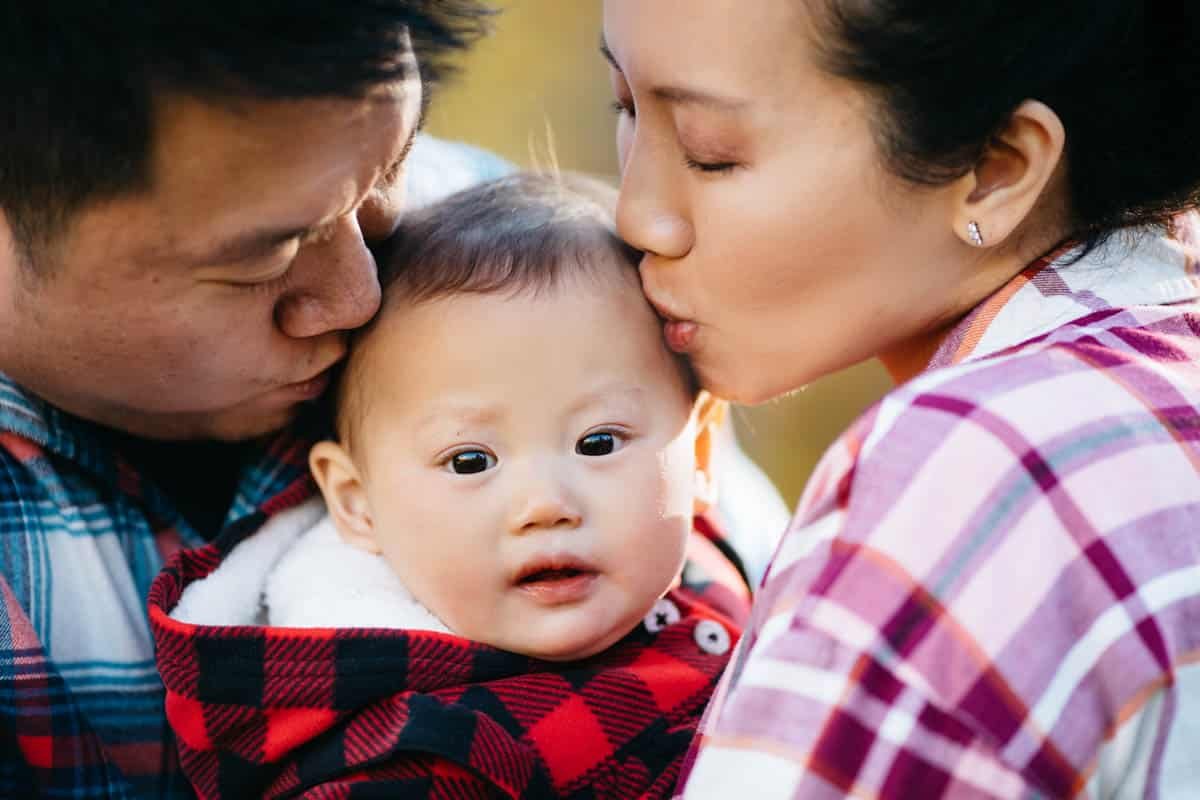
(82, 537)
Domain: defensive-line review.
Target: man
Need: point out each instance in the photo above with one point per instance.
(187, 196)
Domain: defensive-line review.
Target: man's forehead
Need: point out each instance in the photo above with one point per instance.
(270, 169)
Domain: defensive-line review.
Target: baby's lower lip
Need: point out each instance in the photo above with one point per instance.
(559, 588)
(680, 335)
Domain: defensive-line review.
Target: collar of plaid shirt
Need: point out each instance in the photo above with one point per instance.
(1138, 268)
(276, 711)
(277, 479)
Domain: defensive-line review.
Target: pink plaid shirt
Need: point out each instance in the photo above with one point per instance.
(991, 587)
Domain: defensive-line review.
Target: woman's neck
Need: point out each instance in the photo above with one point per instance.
(985, 276)
(910, 358)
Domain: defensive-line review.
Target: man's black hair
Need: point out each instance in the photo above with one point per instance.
(78, 80)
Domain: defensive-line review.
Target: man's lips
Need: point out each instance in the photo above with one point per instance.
(313, 387)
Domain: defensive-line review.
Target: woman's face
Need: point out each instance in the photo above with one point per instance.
(752, 180)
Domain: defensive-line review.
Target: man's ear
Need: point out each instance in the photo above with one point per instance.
(1011, 177)
(710, 415)
(345, 495)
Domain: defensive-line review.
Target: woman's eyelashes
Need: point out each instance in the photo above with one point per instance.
(621, 107)
(709, 167)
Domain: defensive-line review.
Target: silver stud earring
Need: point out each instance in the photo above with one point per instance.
(975, 234)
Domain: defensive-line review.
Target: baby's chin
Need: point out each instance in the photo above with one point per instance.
(564, 648)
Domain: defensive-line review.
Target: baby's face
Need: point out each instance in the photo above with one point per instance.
(528, 463)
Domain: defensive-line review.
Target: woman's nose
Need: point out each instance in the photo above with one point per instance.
(334, 285)
(647, 216)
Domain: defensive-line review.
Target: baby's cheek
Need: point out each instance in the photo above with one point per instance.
(661, 553)
(437, 582)
(677, 480)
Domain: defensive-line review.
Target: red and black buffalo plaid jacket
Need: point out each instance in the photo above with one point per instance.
(364, 713)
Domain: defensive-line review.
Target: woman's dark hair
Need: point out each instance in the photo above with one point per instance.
(1122, 75)
(78, 80)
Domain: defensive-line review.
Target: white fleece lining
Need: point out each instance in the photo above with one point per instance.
(297, 572)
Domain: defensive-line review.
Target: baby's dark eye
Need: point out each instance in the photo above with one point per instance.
(597, 444)
(471, 462)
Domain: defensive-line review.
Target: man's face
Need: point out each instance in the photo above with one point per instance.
(213, 304)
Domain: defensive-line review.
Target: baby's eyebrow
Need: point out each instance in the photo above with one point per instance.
(608, 392)
(458, 412)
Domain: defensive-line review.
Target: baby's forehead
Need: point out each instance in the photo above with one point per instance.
(601, 279)
(610, 301)
(587, 318)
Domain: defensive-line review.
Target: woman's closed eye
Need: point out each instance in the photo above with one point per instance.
(601, 443)
(469, 462)
(709, 167)
(622, 107)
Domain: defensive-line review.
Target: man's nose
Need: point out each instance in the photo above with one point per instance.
(334, 285)
(546, 504)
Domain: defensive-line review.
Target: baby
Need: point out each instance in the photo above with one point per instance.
(513, 492)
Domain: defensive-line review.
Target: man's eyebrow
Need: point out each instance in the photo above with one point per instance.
(681, 95)
(263, 241)
(393, 171)
(250, 245)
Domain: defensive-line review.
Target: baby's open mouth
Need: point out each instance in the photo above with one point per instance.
(557, 583)
(551, 575)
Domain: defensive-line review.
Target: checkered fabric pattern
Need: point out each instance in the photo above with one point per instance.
(992, 584)
(82, 536)
(287, 712)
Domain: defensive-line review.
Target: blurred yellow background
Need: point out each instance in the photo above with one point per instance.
(538, 83)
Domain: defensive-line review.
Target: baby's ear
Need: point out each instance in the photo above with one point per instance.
(710, 414)
(345, 495)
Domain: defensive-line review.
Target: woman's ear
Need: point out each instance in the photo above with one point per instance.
(344, 493)
(1012, 176)
(710, 416)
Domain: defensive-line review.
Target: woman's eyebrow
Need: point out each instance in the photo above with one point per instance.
(682, 95)
(608, 56)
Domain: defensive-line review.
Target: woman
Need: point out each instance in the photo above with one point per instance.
(992, 585)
